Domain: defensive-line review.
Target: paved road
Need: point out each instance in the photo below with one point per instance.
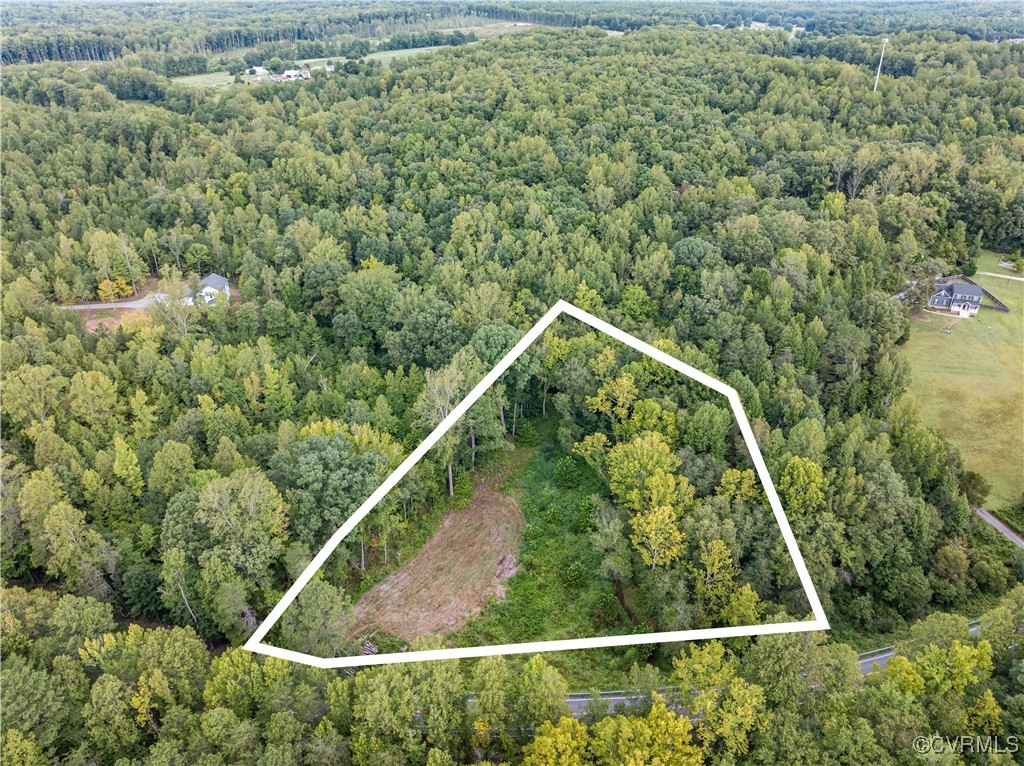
(1001, 276)
(141, 303)
(881, 657)
(1000, 527)
(578, 701)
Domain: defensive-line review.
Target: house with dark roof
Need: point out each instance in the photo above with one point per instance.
(210, 287)
(961, 299)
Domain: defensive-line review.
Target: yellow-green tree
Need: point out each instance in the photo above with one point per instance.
(126, 466)
(739, 486)
(561, 744)
(540, 693)
(714, 585)
(615, 399)
(727, 708)
(657, 536)
(662, 737)
(642, 474)
(802, 487)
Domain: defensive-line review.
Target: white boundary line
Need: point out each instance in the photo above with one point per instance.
(820, 621)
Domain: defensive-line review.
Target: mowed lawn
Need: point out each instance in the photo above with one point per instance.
(969, 377)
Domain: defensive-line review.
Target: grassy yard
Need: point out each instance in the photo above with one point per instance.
(989, 261)
(219, 80)
(969, 377)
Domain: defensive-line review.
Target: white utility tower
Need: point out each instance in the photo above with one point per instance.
(878, 74)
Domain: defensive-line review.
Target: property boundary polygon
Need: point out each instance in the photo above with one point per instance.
(819, 621)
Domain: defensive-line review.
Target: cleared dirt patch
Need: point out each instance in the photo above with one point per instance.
(109, 318)
(453, 575)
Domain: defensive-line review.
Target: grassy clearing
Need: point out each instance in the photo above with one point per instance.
(458, 574)
(555, 594)
(498, 28)
(989, 261)
(208, 80)
(457, 570)
(321, 62)
(218, 80)
(386, 57)
(969, 377)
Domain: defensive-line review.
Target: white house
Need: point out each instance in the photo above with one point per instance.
(259, 71)
(210, 287)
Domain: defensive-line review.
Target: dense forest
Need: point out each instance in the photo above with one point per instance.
(741, 199)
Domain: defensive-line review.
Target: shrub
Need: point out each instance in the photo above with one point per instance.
(529, 507)
(553, 515)
(567, 472)
(1014, 515)
(606, 610)
(990, 575)
(575, 575)
(583, 517)
(526, 434)
(463, 486)
(532, 533)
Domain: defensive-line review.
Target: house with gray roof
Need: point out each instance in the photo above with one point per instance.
(210, 288)
(964, 300)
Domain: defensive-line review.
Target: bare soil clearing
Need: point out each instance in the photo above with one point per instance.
(453, 575)
(109, 318)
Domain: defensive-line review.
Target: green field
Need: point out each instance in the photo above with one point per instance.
(498, 28)
(208, 80)
(386, 57)
(969, 377)
(223, 79)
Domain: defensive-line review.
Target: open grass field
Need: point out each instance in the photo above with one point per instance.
(969, 377)
(208, 80)
(497, 28)
(483, 32)
(218, 80)
(386, 57)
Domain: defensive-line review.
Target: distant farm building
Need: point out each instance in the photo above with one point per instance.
(964, 300)
(259, 71)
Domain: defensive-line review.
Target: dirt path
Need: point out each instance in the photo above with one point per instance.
(453, 574)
